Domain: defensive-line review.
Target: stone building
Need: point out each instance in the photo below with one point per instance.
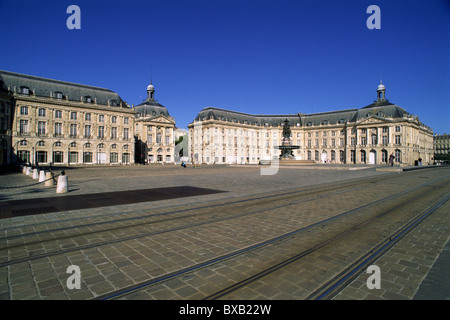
(6, 116)
(63, 123)
(441, 147)
(368, 135)
(154, 131)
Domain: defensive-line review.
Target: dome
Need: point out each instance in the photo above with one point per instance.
(381, 87)
(150, 87)
(151, 108)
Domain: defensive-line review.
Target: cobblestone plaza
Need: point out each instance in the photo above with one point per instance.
(249, 223)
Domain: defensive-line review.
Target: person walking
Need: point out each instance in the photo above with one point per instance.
(391, 160)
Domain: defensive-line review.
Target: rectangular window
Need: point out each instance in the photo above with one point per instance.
(125, 133)
(24, 156)
(87, 157)
(41, 112)
(167, 140)
(87, 117)
(41, 156)
(58, 114)
(363, 141)
(397, 139)
(150, 139)
(158, 138)
(113, 133)
(73, 116)
(58, 157)
(101, 132)
(87, 131)
(125, 120)
(101, 118)
(113, 157)
(125, 158)
(73, 157)
(41, 128)
(73, 130)
(24, 110)
(23, 128)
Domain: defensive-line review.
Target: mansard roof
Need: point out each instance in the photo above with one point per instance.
(385, 110)
(212, 113)
(48, 88)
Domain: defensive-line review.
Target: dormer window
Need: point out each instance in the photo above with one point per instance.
(58, 95)
(113, 103)
(24, 90)
(325, 122)
(88, 99)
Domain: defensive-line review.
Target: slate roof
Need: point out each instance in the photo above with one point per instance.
(380, 109)
(43, 87)
(150, 107)
(245, 118)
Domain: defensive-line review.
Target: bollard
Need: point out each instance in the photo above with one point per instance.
(63, 184)
(42, 176)
(48, 180)
(24, 169)
(29, 172)
(36, 173)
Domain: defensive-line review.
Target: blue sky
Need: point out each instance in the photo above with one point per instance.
(253, 56)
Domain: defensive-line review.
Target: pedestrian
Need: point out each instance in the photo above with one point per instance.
(391, 160)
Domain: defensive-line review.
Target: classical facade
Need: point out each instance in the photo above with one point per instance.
(442, 147)
(63, 123)
(368, 135)
(154, 131)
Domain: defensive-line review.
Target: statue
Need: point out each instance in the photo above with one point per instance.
(286, 129)
(286, 144)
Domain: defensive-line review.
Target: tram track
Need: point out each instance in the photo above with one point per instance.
(260, 203)
(280, 265)
(280, 200)
(337, 283)
(293, 192)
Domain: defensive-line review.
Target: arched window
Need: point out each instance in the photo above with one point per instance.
(398, 156)
(363, 156)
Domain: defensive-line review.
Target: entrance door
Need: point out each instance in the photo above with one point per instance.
(101, 157)
(324, 157)
(372, 157)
